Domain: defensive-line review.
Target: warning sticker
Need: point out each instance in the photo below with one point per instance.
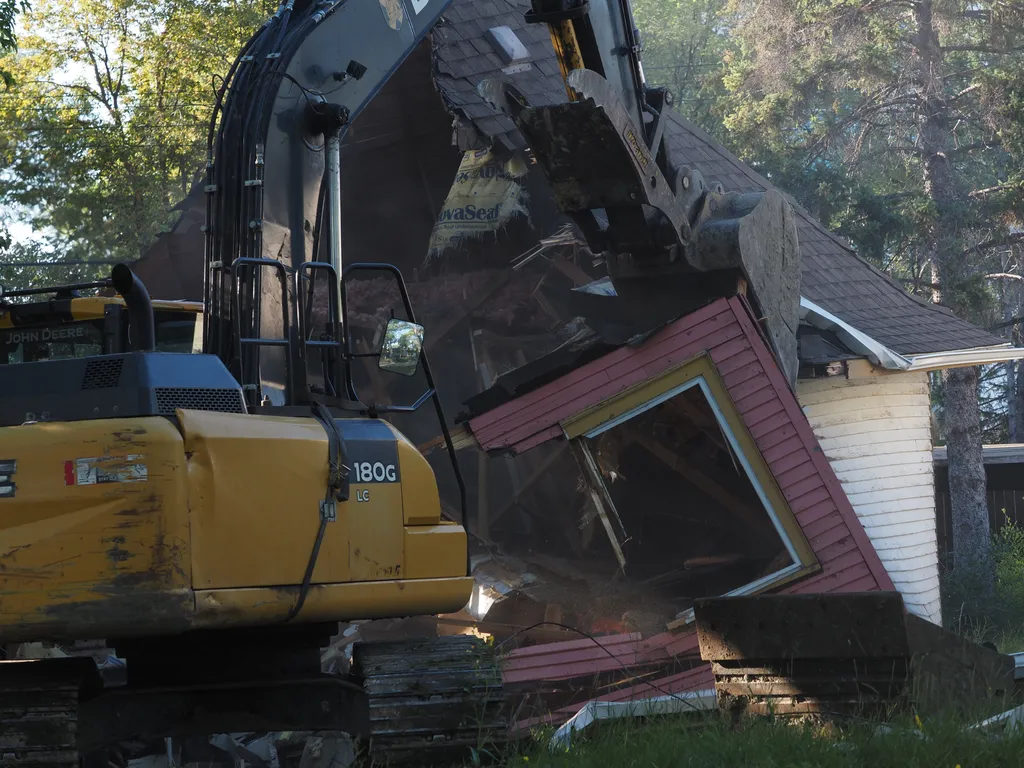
(394, 14)
(106, 469)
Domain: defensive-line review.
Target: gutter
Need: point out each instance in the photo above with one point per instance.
(879, 354)
(1006, 453)
(961, 358)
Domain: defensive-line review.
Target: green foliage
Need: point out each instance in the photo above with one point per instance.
(1009, 564)
(685, 43)
(8, 15)
(999, 619)
(105, 127)
(834, 89)
(8, 40)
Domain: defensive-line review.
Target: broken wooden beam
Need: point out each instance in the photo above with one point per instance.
(462, 438)
(600, 496)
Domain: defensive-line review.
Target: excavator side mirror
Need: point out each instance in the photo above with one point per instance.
(400, 351)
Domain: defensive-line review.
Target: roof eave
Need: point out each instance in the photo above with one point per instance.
(857, 341)
(883, 356)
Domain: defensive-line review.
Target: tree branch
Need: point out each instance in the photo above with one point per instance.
(982, 49)
(967, 90)
(996, 242)
(918, 283)
(971, 147)
(1010, 185)
(907, 148)
(1005, 324)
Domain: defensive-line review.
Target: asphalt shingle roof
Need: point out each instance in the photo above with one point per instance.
(833, 276)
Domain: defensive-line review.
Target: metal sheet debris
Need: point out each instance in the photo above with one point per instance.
(680, 703)
(1013, 718)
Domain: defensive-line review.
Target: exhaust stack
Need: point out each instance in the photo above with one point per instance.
(142, 326)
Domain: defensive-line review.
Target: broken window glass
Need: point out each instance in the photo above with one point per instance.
(623, 530)
(694, 523)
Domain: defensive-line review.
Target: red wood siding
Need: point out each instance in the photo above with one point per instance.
(727, 332)
(571, 658)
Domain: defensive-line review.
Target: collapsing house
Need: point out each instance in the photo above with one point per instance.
(614, 478)
(865, 346)
(653, 471)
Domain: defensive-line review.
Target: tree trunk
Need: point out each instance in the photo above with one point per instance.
(1012, 403)
(967, 487)
(1015, 384)
(1017, 395)
(1009, 302)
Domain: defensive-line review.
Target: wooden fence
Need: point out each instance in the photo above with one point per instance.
(1004, 470)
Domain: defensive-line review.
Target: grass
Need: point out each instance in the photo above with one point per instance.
(1008, 637)
(763, 743)
(712, 742)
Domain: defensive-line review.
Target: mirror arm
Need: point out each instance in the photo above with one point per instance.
(407, 408)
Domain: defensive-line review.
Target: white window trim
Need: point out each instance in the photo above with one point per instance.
(766, 504)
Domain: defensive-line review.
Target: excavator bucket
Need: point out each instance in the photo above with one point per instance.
(669, 239)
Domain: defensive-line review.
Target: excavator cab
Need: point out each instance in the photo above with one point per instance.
(62, 321)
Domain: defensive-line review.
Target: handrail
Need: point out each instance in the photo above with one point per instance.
(430, 394)
(243, 341)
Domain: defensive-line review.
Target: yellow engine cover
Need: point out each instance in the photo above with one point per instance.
(148, 526)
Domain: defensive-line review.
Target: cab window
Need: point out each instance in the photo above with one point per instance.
(174, 333)
(56, 342)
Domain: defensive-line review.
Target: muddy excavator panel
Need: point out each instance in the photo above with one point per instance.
(156, 525)
(94, 530)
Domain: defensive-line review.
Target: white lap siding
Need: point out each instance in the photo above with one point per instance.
(876, 433)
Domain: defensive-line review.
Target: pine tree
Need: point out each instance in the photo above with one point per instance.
(916, 106)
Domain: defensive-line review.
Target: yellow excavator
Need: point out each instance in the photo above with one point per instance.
(213, 517)
(213, 547)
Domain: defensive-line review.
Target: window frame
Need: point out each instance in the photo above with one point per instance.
(700, 371)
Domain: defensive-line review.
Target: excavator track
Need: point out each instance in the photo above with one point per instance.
(39, 711)
(431, 699)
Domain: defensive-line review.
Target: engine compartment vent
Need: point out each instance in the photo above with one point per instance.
(223, 400)
(102, 374)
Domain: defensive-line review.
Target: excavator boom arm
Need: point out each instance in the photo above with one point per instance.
(286, 105)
